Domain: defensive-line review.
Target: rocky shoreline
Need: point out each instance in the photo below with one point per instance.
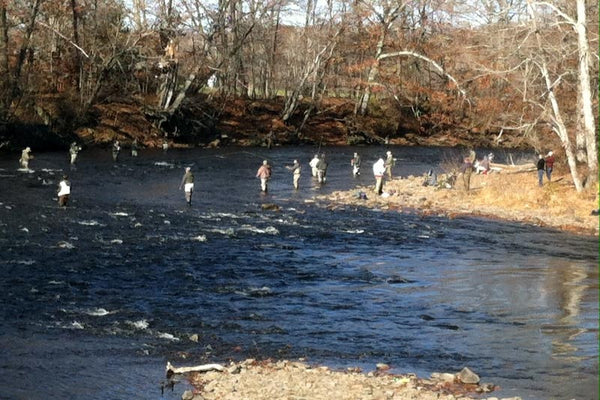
(503, 196)
(267, 380)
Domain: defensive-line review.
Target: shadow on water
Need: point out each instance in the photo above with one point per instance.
(98, 296)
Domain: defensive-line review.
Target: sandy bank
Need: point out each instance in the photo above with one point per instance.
(266, 380)
(512, 197)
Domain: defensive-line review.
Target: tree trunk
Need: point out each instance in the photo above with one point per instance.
(589, 125)
(4, 71)
(77, 56)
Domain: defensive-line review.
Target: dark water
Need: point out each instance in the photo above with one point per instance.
(96, 298)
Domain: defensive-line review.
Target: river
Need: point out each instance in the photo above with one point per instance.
(98, 296)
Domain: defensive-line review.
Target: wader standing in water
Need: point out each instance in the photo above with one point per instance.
(296, 169)
(313, 165)
(322, 169)
(116, 149)
(73, 151)
(64, 190)
(264, 173)
(187, 183)
(355, 162)
(389, 163)
(134, 148)
(25, 157)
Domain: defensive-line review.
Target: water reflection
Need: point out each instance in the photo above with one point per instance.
(569, 284)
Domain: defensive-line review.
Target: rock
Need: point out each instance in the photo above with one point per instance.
(214, 144)
(187, 395)
(467, 376)
(382, 367)
(270, 207)
(443, 377)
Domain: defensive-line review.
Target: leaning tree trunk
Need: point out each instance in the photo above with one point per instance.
(558, 123)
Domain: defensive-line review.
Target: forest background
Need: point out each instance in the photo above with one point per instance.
(476, 73)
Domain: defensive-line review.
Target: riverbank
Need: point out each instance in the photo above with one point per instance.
(266, 380)
(506, 196)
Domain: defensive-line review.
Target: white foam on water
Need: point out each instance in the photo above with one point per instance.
(65, 245)
(167, 222)
(164, 164)
(119, 214)
(270, 230)
(116, 241)
(90, 223)
(56, 282)
(423, 236)
(97, 312)
(227, 232)
(355, 231)
(141, 324)
(26, 170)
(200, 238)
(77, 325)
(25, 229)
(168, 336)
(254, 291)
(20, 262)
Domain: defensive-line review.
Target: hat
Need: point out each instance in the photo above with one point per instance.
(187, 169)
(550, 153)
(265, 162)
(389, 153)
(295, 161)
(27, 149)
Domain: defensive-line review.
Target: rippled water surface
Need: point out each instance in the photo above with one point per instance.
(96, 298)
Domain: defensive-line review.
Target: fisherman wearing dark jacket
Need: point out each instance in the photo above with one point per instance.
(541, 168)
(187, 183)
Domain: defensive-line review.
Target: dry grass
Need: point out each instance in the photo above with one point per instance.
(509, 196)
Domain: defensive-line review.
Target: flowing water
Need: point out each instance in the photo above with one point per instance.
(97, 297)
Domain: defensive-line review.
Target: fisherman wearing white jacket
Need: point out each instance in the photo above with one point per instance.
(313, 165)
(64, 191)
(378, 171)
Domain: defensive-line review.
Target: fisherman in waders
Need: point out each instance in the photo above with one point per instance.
(116, 149)
(467, 169)
(73, 151)
(322, 169)
(313, 165)
(296, 169)
(25, 157)
(389, 163)
(64, 191)
(378, 172)
(134, 148)
(187, 184)
(355, 162)
(264, 173)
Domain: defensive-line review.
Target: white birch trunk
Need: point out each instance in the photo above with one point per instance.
(589, 124)
(559, 126)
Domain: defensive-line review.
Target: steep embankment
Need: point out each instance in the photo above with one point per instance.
(214, 121)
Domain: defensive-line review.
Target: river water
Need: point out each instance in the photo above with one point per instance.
(97, 297)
